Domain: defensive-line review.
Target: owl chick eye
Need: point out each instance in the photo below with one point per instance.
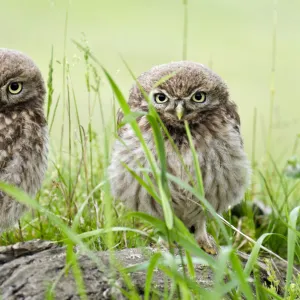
(199, 97)
(15, 88)
(160, 98)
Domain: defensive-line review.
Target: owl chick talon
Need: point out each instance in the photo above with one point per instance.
(208, 245)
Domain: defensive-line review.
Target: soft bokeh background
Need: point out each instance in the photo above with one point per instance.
(234, 37)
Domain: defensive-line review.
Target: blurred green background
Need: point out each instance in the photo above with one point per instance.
(234, 37)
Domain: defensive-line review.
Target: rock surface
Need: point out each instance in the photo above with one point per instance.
(29, 270)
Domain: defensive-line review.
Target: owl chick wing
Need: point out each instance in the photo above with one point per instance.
(10, 169)
(232, 114)
(23, 157)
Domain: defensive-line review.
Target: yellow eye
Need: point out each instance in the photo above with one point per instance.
(160, 98)
(15, 88)
(199, 97)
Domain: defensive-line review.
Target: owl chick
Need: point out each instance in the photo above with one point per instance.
(23, 131)
(195, 94)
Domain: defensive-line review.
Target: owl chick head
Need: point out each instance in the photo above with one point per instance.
(180, 91)
(20, 79)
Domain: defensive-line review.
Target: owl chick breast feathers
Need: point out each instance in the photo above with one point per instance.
(23, 130)
(196, 94)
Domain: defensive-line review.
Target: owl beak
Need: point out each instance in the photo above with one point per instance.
(179, 111)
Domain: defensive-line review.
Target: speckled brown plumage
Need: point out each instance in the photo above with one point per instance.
(215, 128)
(23, 130)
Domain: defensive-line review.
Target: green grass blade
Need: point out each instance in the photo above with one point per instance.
(50, 85)
(72, 259)
(243, 284)
(223, 258)
(152, 264)
(292, 237)
(254, 254)
(195, 159)
(100, 231)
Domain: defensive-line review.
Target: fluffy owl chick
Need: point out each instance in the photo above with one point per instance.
(23, 131)
(195, 94)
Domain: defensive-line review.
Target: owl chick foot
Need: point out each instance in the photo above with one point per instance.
(208, 244)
